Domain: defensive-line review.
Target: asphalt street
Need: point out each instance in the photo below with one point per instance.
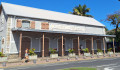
(101, 64)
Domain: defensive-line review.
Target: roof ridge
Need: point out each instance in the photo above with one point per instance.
(25, 11)
(44, 10)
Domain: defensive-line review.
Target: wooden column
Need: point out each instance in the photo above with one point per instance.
(43, 46)
(78, 46)
(92, 46)
(62, 47)
(20, 45)
(2, 50)
(104, 44)
(113, 46)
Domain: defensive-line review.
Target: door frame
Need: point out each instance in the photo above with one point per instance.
(40, 42)
(30, 40)
(77, 43)
(86, 44)
(44, 43)
(30, 43)
(61, 46)
(58, 46)
(101, 43)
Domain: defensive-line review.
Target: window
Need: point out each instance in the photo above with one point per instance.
(45, 25)
(25, 24)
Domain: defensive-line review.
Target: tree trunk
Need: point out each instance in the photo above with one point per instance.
(116, 32)
(117, 37)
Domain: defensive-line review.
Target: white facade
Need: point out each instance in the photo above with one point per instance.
(70, 23)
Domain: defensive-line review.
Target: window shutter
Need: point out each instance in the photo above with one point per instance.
(32, 25)
(19, 23)
(47, 26)
(42, 25)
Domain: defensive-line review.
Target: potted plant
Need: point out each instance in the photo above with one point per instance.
(110, 51)
(3, 58)
(71, 53)
(99, 52)
(53, 53)
(86, 52)
(32, 55)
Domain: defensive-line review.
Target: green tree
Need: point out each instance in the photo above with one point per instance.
(106, 29)
(81, 11)
(114, 19)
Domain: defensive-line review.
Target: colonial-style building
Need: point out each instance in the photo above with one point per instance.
(24, 27)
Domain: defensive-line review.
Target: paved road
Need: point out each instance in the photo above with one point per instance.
(107, 64)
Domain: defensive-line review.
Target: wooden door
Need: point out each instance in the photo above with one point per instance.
(98, 44)
(60, 46)
(46, 46)
(26, 43)
(75, 45)
(88, 44)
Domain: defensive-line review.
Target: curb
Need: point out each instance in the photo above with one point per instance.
(54, 62)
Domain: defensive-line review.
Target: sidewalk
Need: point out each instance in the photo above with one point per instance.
(47, 60)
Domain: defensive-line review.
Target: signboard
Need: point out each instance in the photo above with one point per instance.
(65, 27)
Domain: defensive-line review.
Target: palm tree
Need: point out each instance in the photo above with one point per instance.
(81, 11)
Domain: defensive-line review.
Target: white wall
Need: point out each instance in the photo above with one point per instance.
(94, 30)
(67, 27)
(3, 29)
(55, 26)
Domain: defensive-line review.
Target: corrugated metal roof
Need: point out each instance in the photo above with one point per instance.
(11, 9)
(49, 31)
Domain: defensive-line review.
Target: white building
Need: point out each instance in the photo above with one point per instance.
(25, 27)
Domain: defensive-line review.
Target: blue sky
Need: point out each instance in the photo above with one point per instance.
(99, 8)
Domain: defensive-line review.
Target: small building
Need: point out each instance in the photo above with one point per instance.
(24, 27)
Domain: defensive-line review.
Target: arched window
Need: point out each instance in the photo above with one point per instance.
(25, 24)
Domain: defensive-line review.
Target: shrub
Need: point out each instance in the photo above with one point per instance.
(86, 50)
(110, 49)
(53, 51)
(1, 54)
(32, 51)
(71, 50)
(98, 50)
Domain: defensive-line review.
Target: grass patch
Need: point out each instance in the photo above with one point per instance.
(80, 68)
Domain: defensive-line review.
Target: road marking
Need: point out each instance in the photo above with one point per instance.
(57, 64)
(13, 69)
(114, 66)
(86, 61)
(23, 68)
(110, 59)
(108, 69)
(1, 69)
(106, 65)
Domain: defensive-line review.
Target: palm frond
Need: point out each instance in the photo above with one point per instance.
(70, 12)
(81, 11)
